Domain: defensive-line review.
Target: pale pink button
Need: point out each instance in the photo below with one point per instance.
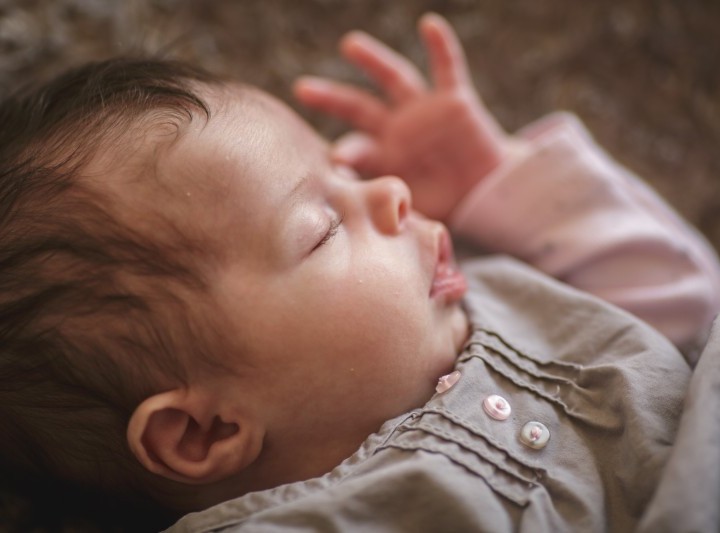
(447, 382)
(535, 435)
(497, 407)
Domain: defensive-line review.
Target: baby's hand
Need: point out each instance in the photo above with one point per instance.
(441, 140)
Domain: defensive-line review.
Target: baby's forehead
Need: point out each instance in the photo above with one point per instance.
(170, 169)
(248, 131)
(135, 151)
(202, 176)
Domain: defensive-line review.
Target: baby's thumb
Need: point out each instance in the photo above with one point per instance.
(357, 150)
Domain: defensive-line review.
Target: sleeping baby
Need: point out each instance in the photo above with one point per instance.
(207, 306)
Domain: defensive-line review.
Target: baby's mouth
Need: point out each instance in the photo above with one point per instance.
(448, 283)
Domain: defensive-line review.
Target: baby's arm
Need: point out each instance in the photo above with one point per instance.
(570, 210)
(549, 196)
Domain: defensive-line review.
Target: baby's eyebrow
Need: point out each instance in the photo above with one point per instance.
(294, 193)
(292, 202)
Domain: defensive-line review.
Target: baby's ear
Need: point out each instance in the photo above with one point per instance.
(180, 434)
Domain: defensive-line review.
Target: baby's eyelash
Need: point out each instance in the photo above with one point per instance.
(332, 231)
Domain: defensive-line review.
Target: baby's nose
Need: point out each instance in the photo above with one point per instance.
(390, 203)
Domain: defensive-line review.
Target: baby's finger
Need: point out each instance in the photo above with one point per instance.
(397, 76)
(359, 151)
(447, 59)
(361, 109)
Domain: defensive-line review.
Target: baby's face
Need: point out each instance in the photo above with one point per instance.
(332, 291)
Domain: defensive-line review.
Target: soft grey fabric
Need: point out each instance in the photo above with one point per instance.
(688, 498)
(609, 388)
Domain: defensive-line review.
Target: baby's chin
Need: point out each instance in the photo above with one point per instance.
(457, 334)
(460, 327)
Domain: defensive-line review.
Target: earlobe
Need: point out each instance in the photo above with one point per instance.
(180, 435)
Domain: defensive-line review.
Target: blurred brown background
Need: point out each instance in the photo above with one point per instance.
(643, 74)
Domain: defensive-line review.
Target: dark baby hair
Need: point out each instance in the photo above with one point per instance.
(80, 337)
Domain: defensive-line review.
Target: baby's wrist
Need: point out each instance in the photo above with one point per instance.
(506, 150)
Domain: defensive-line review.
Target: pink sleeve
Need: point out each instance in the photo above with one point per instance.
(564, 206)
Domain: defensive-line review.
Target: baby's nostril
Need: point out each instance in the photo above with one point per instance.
(403, 210)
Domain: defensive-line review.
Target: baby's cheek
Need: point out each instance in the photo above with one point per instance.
(376, 303)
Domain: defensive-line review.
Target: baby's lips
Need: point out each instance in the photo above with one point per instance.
(448, 281)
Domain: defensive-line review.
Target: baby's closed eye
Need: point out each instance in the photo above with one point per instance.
(331, 232)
